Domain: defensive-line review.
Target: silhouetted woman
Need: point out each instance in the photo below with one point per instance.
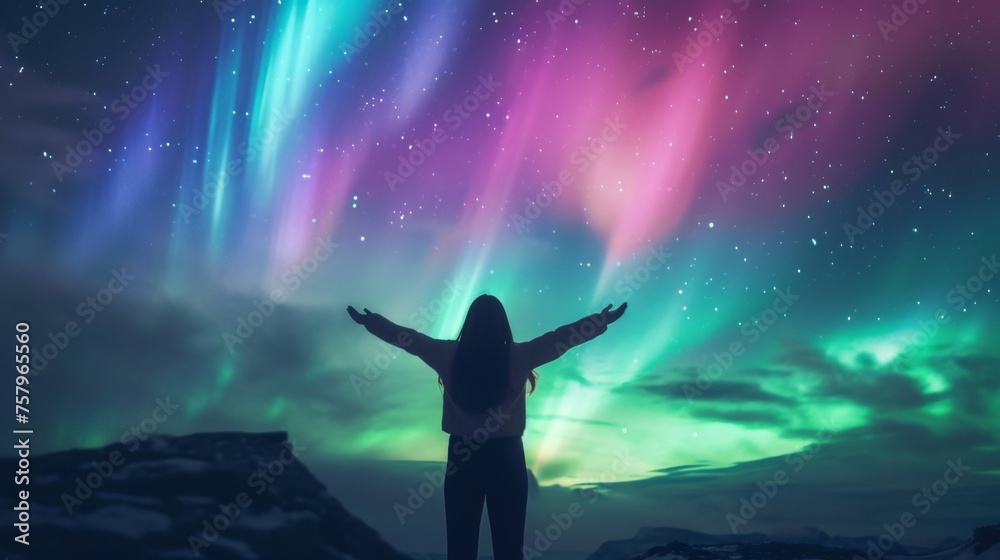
(483, 374)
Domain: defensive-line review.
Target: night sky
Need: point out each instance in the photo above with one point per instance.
(796, 199)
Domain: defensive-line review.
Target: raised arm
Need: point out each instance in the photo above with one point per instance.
(420, 345)
(555, 343)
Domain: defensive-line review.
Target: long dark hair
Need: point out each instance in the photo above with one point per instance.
(479, 372)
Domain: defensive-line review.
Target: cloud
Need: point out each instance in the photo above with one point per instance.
(750, 418)
(824, 377)
(725, 391)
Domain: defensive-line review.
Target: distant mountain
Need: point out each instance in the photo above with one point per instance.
(547, 555)
(745, 551)
(984, 545)
(816, 536)
(648, 537)
(947, 543)
(985, 538)
(229, 495)
(797, 544)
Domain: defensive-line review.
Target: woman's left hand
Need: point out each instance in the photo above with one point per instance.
(358, 317)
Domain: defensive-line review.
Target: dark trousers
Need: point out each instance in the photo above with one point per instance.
(493, 471)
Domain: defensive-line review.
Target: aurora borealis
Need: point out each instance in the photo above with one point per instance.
(795, 199)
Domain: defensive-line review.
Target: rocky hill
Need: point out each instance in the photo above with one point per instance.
(232, 495)
(815, 545)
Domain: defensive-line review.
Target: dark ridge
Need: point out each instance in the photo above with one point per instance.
(165, 488)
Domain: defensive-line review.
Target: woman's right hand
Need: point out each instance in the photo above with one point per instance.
(610, 316)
